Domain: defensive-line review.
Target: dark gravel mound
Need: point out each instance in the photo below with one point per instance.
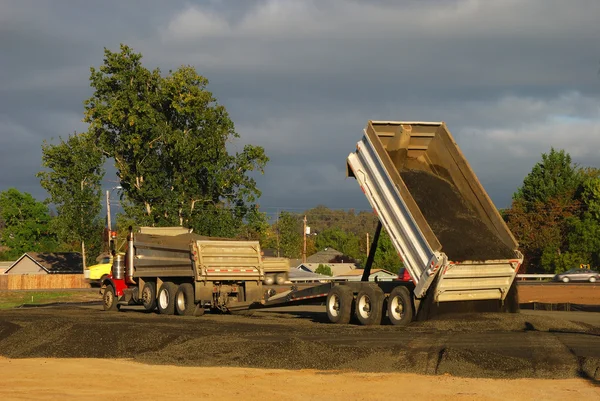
(470, 345)
(462, 235)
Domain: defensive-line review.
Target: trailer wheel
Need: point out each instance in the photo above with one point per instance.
(269, 279)
(184, 300)
(149, 296)
(166, 298)
(109, 299)
(369, 305)
(280, 278)
(339, 304)
(399, 307)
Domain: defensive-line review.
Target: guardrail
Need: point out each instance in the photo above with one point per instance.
(535, 276)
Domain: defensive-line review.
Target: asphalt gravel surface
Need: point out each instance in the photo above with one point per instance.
(470, 345)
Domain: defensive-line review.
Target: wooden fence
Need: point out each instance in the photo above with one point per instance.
(41, 281)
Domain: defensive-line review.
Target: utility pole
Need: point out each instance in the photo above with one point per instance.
(108, 211)
(304, 234)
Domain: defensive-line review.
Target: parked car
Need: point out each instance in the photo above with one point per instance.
(578, 275)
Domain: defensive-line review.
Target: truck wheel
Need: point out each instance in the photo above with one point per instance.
(149, 296)
(166, 298)
(184, 300)
(281, 278)
(339, 304)
(369, 305)
(110, 299)
(269, 279)
(399, 307)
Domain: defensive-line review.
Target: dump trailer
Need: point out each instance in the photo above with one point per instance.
(176, 271)
(451, 239)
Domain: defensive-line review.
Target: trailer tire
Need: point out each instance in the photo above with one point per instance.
(149, 296)
(184, 300)
(109, 299)
(269, 279)
(166, 298)
(369, 305)
(280, 278)
(400, 307)
(339, 304)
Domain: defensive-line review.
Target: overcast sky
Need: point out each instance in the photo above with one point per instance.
(511, 78)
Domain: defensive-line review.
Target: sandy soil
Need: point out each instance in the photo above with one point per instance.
(108, 379)
(585, 294)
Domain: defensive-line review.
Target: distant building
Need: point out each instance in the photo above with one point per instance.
(5, 265)
(324, 256)
(47, 263)
(376, 274)
(336, 268)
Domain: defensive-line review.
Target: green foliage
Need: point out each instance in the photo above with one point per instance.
(168, 136)
(544, 209)
(73, 181)
(324, 269)
(289, 229)
(590, 196)
(386, 256)
(554, 177)
(26, 225)
(345, 242)
(554, 262)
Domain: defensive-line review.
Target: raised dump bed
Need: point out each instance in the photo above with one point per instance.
(439, 217)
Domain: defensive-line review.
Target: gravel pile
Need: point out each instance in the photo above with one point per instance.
(471, 345)
(462, 234)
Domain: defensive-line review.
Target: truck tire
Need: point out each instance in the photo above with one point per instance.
(280, 278)
(184, 300)
(399, 307)
(369, 305)
(109, 299)
(166, 298)
(269, 279)
(149, 296)
(339, 304)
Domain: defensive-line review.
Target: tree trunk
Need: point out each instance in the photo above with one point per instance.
(83, 253)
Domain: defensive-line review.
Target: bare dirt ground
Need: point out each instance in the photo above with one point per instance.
(585, 294)
(84, 379)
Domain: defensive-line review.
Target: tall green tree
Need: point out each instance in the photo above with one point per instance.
(26, 224)
(289, 232)
(542, 209)
(73, 181)
(168, 137)
(554, 177)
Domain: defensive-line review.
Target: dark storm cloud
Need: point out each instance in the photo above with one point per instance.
(301, 78)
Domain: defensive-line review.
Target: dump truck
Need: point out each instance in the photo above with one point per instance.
(450, 237)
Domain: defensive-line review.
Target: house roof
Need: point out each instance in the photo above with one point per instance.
(336, 268)
(359, 272)
(323, 256)
(54, 263)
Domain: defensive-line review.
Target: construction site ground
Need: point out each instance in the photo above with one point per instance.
(74, 350)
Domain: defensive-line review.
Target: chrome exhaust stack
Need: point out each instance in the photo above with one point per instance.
(130, 257)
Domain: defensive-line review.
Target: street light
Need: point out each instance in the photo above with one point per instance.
(108, 192)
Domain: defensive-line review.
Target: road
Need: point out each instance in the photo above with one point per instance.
(486, 345)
